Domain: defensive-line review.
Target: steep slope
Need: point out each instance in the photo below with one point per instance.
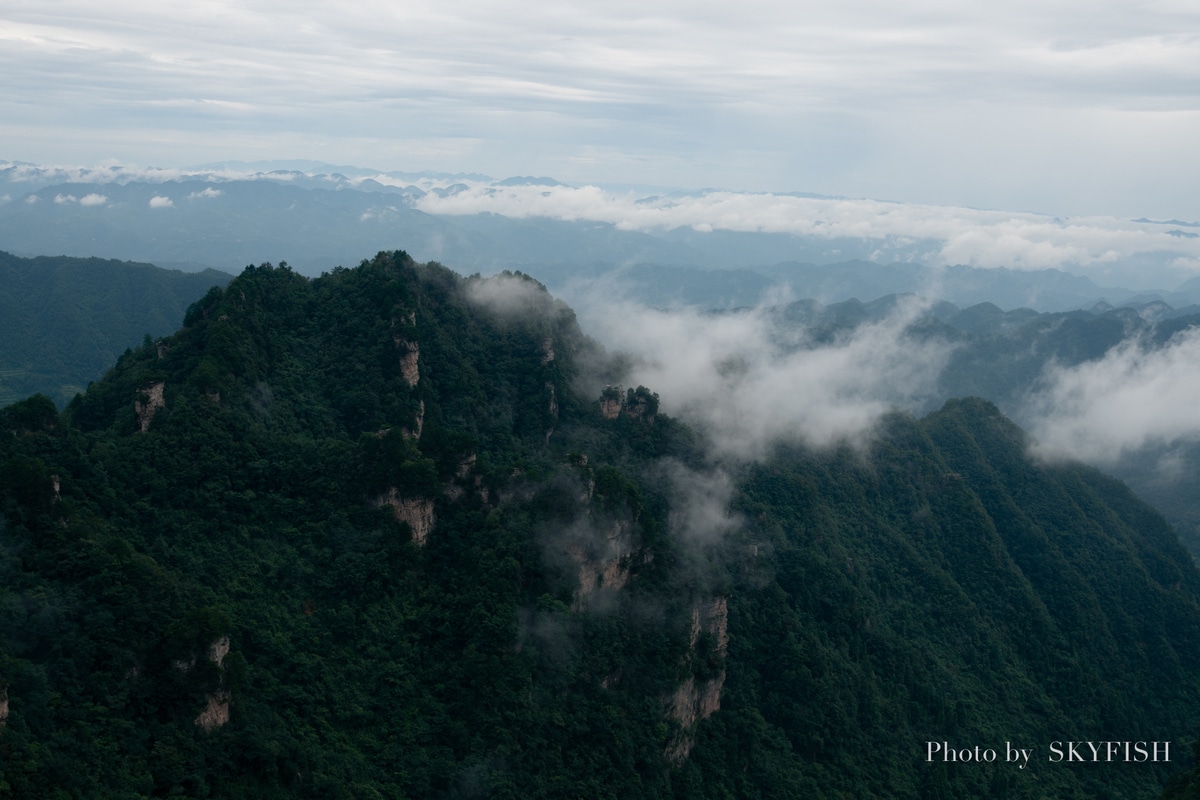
(388, 533)
(949, 590)
(64, 320)
(1011, 358)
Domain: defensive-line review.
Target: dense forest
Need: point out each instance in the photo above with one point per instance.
(64, 321)
(1005, 357)
(391, 532)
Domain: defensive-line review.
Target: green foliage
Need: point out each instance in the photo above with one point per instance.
(65, 320)
(939, 587)
(38, 413)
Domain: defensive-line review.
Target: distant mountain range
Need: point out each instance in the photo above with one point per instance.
(316, 216)
(1041, 290)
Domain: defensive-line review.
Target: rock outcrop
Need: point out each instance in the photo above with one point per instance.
(462, 474)
(698, 699)
(603, 565)
(611, 402)
(641, 404)
(216, 708)
(418, 424)
(410, 357)
(149, 401)
(216, 712)
(416, 512)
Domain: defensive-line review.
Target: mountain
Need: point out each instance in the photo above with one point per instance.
(696, 247)
(754, 283)
(64, 320)
(1009, 358)
(393, 532)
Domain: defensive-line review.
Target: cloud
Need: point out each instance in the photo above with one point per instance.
(942, 234)
(512, 295)
(1141, 252)
(749, 383)
(918, 101)
(699, 503)
(1115, 250)
(1135, 396)
(92, 199)
(159, 201)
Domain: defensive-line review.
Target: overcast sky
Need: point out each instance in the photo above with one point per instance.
(1058, 107)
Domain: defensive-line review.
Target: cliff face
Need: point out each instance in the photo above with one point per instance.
(416, 512)
(216, 703)
(149, 401)
(604, 564)
(611, 402)
(410, 358)
(697, 699)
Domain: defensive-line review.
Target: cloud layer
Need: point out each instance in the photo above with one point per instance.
(1051, 106)
(748, 384)
(1134, 397)
(937, 234)
(1113, 250)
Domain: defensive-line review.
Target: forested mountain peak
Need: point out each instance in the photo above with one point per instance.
(394, 532)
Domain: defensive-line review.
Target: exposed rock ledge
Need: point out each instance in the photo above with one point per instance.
(149, 400)
(695, 699)
(611, 402)
(216, 712)
(410, 356)
(417, 512)
(216, 709)
(608, 571)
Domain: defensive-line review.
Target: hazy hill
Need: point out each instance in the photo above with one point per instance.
(317, 216)
(668, 285)
(1008, 356)
(64, 321)
(388, 533)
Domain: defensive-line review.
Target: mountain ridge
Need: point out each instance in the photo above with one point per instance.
(393, 531)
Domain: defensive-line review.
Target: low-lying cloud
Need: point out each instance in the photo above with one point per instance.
(699, 503)
(952, 235)
(748, 383)
(92, 199)
(515, 296)
(1136, 396)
